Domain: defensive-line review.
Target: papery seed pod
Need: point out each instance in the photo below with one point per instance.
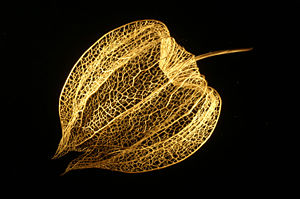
(135, 101)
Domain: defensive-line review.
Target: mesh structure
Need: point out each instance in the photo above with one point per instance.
(135, 102)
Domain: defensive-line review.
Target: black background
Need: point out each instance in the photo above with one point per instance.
(46, 38)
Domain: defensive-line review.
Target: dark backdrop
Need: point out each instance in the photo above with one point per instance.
(52, 35)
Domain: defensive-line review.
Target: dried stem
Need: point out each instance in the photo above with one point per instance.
(221, 52)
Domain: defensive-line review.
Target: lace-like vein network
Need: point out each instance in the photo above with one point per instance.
(135, 102)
